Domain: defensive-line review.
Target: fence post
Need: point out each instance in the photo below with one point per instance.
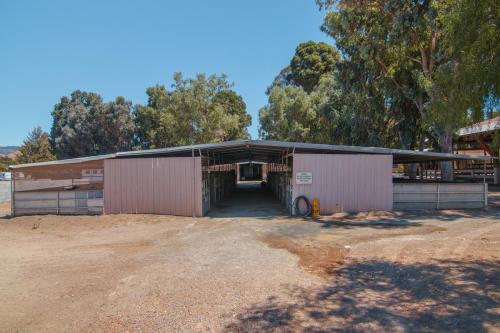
(57, 212)
(437, 202)
(485, 195)
(13, 193)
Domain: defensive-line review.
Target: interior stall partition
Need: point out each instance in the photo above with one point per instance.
(218, 181)
(279, 180)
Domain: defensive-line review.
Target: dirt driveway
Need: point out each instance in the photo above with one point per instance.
(159, 273)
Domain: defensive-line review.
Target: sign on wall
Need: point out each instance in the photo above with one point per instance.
(93, 174)
(303, 178)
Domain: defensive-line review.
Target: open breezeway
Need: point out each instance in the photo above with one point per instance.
(249, 199)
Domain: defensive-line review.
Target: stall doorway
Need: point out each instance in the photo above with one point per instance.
(250, 172)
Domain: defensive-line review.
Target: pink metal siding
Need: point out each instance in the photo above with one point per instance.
(346, 183)
(153, 185)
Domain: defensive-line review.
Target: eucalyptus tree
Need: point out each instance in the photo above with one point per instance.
(401, 43)
(84, 125)
(291, 115)
(196, 110)
(310, 62)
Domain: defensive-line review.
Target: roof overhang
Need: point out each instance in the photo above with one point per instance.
(267, 151)
(482, 127)
(66, 161)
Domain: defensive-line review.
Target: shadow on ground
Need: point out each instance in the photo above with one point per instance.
(403, 219)
(249, 199)
(448, 295)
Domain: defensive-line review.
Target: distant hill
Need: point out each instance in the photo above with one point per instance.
(8, 150)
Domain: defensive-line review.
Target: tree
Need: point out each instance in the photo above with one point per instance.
(329, 114)
(5, 162)
(311, 61)
(357, 113)
(84, 125)
(401, 43)
(203, 109)
(283, 79)
(117, 129)
(36, 148)
(471, 37)
(308, 65)
(233, 111)
(350, 107)
(293, 115)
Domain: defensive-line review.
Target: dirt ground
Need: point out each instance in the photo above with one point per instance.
(147, 273)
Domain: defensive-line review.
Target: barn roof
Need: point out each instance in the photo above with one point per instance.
(482, 127)
(268, 151)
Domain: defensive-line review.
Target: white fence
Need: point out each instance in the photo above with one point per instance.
(409, 196)
(58, 202)
(4, 191)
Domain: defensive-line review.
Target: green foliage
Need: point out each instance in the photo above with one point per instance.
(326, 115)
(376, 93)
(471, 40)
(5, 162)
(203, 109)
(495, 145)
(311, 61)
(388, 54)
(308, 65)
(291, 115)
(442, 56)
(411, 73)
(36, 148)
(83, 125)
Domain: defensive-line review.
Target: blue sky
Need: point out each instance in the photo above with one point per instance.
(50, 48)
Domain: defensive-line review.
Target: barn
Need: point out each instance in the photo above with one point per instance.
(194, 180)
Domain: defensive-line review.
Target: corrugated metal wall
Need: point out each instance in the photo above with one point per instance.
(170, 186)
(346, 183)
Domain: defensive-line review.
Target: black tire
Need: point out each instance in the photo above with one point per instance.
(296, 203)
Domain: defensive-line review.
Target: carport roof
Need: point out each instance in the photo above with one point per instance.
(268, 151)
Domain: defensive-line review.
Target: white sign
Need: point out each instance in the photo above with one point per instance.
(92, 172)
(93, 175)
(303, 178)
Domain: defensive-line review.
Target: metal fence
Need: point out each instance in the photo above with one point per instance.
(409, 196)
(58, 202)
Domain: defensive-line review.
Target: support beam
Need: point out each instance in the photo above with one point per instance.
(483, 144)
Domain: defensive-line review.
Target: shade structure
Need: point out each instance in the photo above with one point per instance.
(269, 151)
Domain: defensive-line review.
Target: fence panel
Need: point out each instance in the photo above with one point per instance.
(440, 196)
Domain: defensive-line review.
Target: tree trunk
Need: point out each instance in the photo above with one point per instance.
(446, 144)
(411, 168)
